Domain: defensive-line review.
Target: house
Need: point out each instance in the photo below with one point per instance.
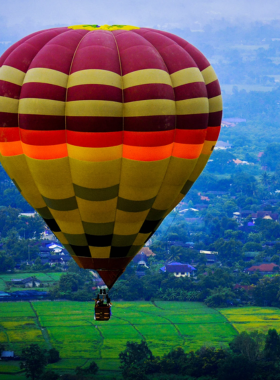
(29, 282)
(247, 288)
(211, 256)
(147, 252)
(178, 269)
(265, 214)
(263, 268)
(188, 244)
(140, 259)
(240, 162)
(7, 355)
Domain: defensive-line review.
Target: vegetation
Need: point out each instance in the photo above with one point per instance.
(249, 356)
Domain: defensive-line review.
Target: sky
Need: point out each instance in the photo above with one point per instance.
(19, 18)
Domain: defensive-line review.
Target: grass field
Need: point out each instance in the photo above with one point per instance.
(70, 327)
(253, 318)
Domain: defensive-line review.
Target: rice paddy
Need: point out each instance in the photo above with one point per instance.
(70, 328)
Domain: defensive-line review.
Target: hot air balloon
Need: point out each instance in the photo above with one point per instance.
(103, 130)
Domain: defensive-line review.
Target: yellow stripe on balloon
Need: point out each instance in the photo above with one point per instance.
(147, 76)
(49, 76)
(94, 154)
(151, 107)
(94, 108)
(216, 104)
(209, 75)
(95, 76)
(8, 105)
(12, 75)
(208, 147)
(185, 76)
(100, 252)
(32, 106)
(192, 106)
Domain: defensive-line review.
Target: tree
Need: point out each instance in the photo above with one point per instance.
(236, 367)
(272, 345)
(133, 358)
(50, 375)
(92, 369)
(34, 361)
(271, 156)
(250, 345)
(53, 355)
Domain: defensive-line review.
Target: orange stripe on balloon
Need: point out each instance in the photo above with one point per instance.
(32, 137)
(213, 133)
(147, 153)
(94, 139)
(13, 148)
(48, 152)
(189, 151)
(190, 136)
(9, 134)
(148, 139)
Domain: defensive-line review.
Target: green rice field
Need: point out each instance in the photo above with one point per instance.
(70, 328)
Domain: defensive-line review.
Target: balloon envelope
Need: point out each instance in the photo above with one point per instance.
(104, 129)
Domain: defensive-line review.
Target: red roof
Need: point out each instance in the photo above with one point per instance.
(245, 287)
(263, 267)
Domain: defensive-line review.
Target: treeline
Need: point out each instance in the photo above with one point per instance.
(215, 287)
(250, 356)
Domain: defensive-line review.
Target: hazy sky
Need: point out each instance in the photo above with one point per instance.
(21, 17)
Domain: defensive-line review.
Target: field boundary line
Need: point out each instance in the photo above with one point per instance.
(154, 303)
(131, 324)
(102, 339)
(228, 321)
(170, 323)
(44, 331)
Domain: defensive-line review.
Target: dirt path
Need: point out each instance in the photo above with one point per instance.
(102, 339)
(44, 331)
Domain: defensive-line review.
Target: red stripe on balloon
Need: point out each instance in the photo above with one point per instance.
(190, 91)
(94, 92)
(150, 123)
(190, 136)
(43, 91)
(41, 122)
(42, 137)
(8, 120)
(9, 134)
(94, 140)
(213, 89)
(148, 139)
(197, 121)
(215, 118)
(213, 133)
(148, 91)
(9, 89)
(94, 124)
